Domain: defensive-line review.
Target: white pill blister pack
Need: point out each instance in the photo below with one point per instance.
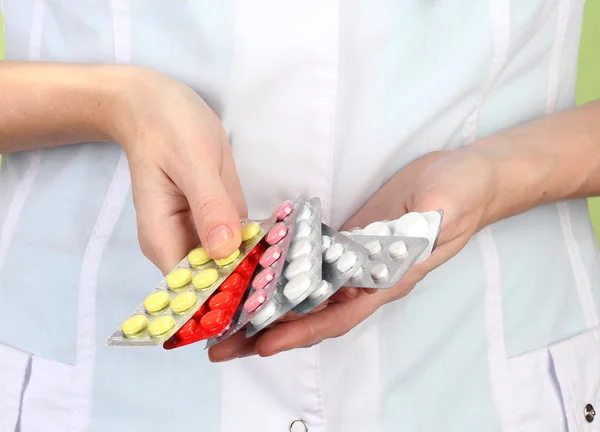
(271, 264)
(342, 257)
(302, 271)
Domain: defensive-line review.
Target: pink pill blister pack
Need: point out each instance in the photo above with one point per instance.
(271, 265)
(302, 271)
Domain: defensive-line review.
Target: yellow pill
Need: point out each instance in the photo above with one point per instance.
(179, 278)
(134, 325)
(161, 325)
(198, 257)
(156, 302)
(183, 302)
(250, 230)
(228, 260)
(205, 278)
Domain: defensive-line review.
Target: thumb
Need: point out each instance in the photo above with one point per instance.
(214, 213)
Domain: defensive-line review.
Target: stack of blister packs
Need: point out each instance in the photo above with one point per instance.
(289, 262)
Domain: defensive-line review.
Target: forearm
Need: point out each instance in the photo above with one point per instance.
(547, 160)
(51, 104)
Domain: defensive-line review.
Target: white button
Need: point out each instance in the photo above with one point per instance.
(303, 229)
(304, 213)
(267, 312)
(374, 247)
(378, 229)
(398, 249)
(346, 261)
(299, 248)
(299, 265)
(325, 243)
(321, 290)
(296, 287)
(298, 425)
(333, 253)
(411, 225)
(379, 271)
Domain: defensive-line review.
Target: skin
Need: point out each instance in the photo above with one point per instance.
(185, 183)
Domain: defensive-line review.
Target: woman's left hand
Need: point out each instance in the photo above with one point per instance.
(461, 182)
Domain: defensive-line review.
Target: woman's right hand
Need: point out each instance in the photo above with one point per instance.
(185, 184)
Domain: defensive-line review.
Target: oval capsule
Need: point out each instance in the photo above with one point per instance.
(179, 278)
(156, 302)
(255, 300)
(263, 278)
(277, 233)
(161, 325)
(270, 256)
(134, 325)
(205, 278)
(213, 320)
(283, 210)
(222, 300)
(232, 283)
(183, 302)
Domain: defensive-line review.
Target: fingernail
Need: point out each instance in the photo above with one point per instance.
(218, 237)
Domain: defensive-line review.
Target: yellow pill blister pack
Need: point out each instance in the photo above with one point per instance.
(183, 291)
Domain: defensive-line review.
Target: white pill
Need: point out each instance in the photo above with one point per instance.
(333, 253)
(356, 231)
(346, 261)
(346, 233)
(303, 230)
(322, 289)
(379, 271)
(378, 229)
(358, 272)
(412, 224)
(374, 247)
(304, 213)
(296, 287)
(265, 313)
(297, 266)
(325, 243)
(398, 249)
(299, 248)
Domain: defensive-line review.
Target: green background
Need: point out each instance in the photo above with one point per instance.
(588, 84)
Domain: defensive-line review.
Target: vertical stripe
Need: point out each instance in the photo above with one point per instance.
(582, 282)
(23, 189)
(107, 219)
(494, 321)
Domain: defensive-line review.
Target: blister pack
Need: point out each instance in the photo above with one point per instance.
(271, 265)
(302, 270)
(342, 257)
(181, 294)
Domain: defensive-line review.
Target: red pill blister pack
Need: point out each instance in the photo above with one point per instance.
(187, 292)
(271, 263)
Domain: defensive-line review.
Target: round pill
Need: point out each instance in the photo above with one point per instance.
(346, 261)
(179, 278)
(228, 260)
(345, 233)
(283, 210)
(222, 300)
(333, 253)
(297, 266)
(200, 312)
(303, 230)
(277, 233)
(267, 311)
(374, 247)
(299, 248)
(304, 213)
(325, 243)
(213, 320)
(297, 286)
(263, 278)
(205, 278)
(379, 271)
(161, 325)
(321, 290)
(134, 325)
(250, 230)
(378, 229)
(356, 231)
(412, 224)
(398, 249)
(198, 257)
(270, 256)
(183, 302)
(255, 300)
(156, 302)
(188, 329)
(357, 273)
(232, 283)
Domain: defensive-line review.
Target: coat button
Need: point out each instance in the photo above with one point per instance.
(298, 425)
(590, 413)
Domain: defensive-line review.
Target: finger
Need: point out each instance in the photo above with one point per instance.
(333, 321)
(215, 215)
(236, 346)
(231, 182)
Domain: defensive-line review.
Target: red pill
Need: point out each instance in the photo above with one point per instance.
(222, 300)
(270, 256)
(199, 312)
(213, 320)
(283, 210)
(277, 233)
(188, 329)
(232, 283)
(263, 278)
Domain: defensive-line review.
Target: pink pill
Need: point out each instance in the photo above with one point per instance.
(283, 210)
(255, 300)
(270, 256)
(263, 278)
(277, 233)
